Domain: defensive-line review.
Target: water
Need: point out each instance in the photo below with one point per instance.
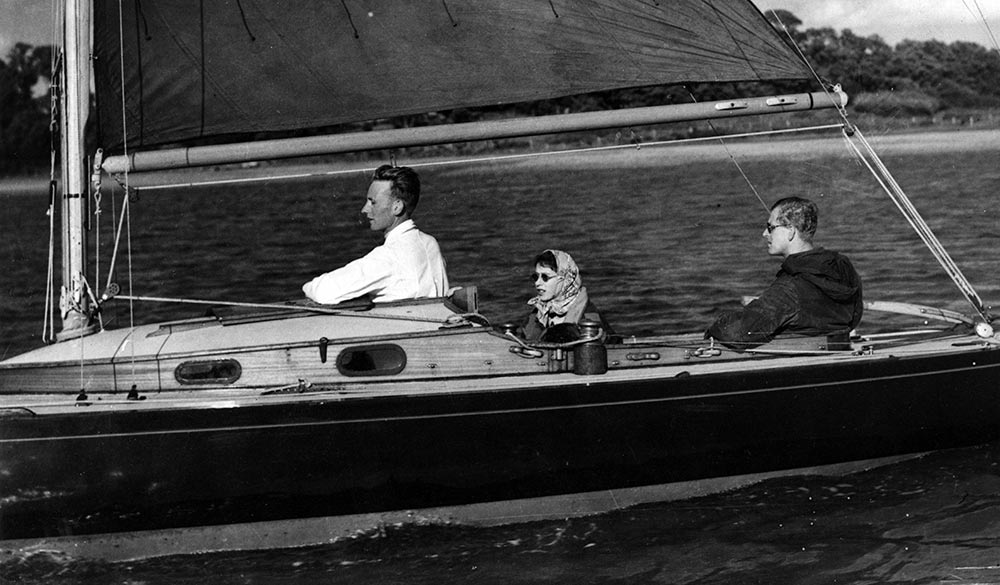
(665, 238)
(931, 520)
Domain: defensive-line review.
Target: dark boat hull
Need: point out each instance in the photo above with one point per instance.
(86, 473)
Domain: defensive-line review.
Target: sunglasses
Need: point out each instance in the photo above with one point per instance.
(545, 277)
(770, 228)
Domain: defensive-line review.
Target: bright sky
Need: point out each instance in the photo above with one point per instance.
(896, 20)
(29, 21)
(893, 20)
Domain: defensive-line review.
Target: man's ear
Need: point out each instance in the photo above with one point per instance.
(397, 207)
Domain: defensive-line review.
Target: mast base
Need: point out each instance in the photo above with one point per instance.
(77, 330)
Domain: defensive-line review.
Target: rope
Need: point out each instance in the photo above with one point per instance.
(95, 186)
(307, 308)
(888, 183)
(48, 312)
(732, 158)
(126, 209)
(913, 217)
(118, 236)
(48, 315)
(825, 87)
(876, 167)
(986, 23)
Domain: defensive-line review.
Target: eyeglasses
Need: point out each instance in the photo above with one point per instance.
(770, 228)
(545, 277)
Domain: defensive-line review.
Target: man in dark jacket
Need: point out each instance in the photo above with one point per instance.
(816, 292)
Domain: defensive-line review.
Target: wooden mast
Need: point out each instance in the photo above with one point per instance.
(75, 102)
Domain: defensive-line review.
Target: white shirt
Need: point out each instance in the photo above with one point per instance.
(407, 266)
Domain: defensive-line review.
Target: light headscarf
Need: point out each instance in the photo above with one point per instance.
(570, 288)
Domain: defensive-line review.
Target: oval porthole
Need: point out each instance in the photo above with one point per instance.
(371, 360)
(208, 372)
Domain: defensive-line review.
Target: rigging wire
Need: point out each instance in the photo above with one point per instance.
(986, 23)
(55, 66)
(892, 188)
(125, 207)
(127, 210)
(485, 159)
(95, 185)
(306, 308)
(913, 217)
(48, 316)
(118, 236)
(875, 166)
(732, 158)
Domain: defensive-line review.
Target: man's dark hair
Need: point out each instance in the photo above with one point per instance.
(405, 184)
(799, 213)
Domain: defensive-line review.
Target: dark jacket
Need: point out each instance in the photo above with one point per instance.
(815, 293)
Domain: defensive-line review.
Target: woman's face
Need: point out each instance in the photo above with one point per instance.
(547, 283)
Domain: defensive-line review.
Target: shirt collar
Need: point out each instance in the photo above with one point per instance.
(400, 229)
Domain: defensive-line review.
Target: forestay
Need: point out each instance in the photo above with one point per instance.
(195, 70)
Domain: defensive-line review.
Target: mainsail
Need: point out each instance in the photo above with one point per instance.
(193, 70)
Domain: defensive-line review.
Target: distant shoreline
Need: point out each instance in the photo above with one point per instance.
(674, 153)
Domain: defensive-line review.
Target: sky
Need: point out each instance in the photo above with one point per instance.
(893, 20)
(897, 20)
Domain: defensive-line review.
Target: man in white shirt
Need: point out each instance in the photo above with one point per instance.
(407, 266)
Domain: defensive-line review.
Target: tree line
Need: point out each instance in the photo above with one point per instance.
(912, 78)
(25, 76)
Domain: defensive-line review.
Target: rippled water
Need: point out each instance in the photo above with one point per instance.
(931, 520)
(665, 238)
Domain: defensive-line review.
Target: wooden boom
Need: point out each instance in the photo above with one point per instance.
(196, 156)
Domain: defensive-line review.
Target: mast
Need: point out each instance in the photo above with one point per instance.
(75, 102)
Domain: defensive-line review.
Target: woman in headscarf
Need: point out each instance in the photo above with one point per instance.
(561, 298)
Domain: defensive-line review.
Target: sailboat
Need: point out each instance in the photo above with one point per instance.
(291, 424)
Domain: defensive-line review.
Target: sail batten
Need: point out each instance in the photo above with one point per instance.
(196, 70)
